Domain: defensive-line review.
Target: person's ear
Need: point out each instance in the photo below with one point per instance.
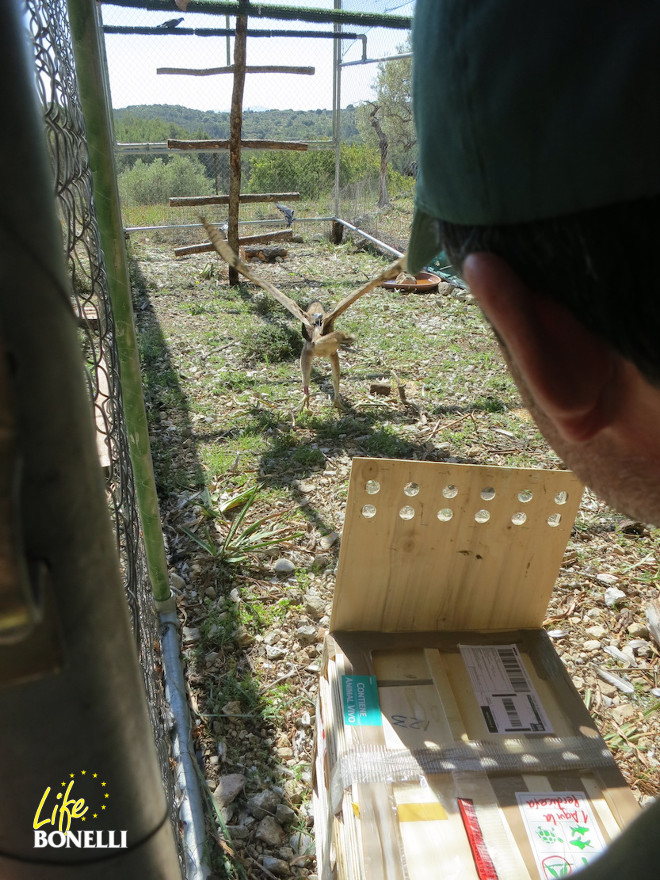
(572, 375)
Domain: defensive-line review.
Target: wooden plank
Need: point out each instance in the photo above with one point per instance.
(173, 144)
(204, 247)
(426, 561)
(213, 71)
(244, 199)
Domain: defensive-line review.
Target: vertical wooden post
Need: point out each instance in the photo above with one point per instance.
(235, 125)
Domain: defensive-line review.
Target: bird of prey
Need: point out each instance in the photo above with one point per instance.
(288, 213)
(319, 334)
(170, 23)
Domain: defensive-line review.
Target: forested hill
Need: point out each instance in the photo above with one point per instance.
(157, 122)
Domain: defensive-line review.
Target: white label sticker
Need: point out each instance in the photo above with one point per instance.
(506, 696)
(562, 830)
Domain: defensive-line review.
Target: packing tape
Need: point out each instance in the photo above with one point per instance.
(377, 763)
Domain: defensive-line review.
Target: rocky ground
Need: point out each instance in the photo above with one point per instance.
(253, 490)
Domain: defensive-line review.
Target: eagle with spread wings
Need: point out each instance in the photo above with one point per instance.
(320, 339)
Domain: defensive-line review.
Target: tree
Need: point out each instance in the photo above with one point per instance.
(393, 102)
(383, 148)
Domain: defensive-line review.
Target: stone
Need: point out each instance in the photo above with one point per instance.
(232, 708)
(238, 832)
(275, 866)
(284, 814)
(320, 561)
(597, 632)
(638, 631)
(176, 582)
(314, 606)
(228, 789)
(302, 844)
(243, 637)
(327, 541)
(306, 635)
(591, 645)
(294, 791)
(284, 566)
(623, 713)
(270, 831)
(613, 595)
(189, 634)
(262, 804)
(274, 652)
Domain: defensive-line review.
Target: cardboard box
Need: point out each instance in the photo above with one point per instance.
(450, 740)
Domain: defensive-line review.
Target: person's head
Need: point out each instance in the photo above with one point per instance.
(539, 175)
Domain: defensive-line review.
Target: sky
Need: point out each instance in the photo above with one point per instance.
(133, 61)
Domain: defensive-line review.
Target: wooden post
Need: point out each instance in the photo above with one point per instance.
(235, 125)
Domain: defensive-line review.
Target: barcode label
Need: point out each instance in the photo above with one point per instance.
(509, 707)
(505, 694)
(512, 668)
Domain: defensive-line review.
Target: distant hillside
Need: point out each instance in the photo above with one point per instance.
(154, 122)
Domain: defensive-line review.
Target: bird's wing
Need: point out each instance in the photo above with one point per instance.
(230, 257)
(390, 272)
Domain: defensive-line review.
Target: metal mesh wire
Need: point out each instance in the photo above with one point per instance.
(48, 27)
(137, 88)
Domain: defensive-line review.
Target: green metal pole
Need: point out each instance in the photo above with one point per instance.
(88, 53)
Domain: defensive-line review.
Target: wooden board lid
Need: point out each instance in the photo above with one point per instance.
(435, 546)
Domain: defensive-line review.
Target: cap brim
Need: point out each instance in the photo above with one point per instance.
(424, 243)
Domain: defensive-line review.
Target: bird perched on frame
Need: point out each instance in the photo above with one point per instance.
(170, 24)
(320, 339)
(288, 213)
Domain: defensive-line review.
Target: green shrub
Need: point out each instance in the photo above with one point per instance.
(154, 183)
(312, 173)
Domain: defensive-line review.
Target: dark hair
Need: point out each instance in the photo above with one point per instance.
(601, 264)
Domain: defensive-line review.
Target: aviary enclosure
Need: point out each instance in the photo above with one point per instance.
(76, 47)
(226, 501)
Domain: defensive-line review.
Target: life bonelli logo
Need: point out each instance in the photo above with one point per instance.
(70, 815)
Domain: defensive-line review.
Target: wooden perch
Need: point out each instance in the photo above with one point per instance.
(281, 235)
(212, 71)
(224, 145)
(244, 198)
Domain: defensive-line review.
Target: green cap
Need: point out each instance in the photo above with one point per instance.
(529, 109)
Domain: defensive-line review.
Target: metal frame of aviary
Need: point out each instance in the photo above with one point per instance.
(345, 25)
(83, 649)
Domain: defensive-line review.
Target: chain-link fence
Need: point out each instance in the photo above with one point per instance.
(338, 95)
(65, 130)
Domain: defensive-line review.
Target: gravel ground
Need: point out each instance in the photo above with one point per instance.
(223, 397)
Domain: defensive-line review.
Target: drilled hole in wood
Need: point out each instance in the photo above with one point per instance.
(561, 497)
(368, 511)
(407, 512)
(519, 518)
(525, 496)
(445, 514)
(554, 519)
(372, 487)
(487, 494)
(411, 490)
(482, 516)
(450, 491)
